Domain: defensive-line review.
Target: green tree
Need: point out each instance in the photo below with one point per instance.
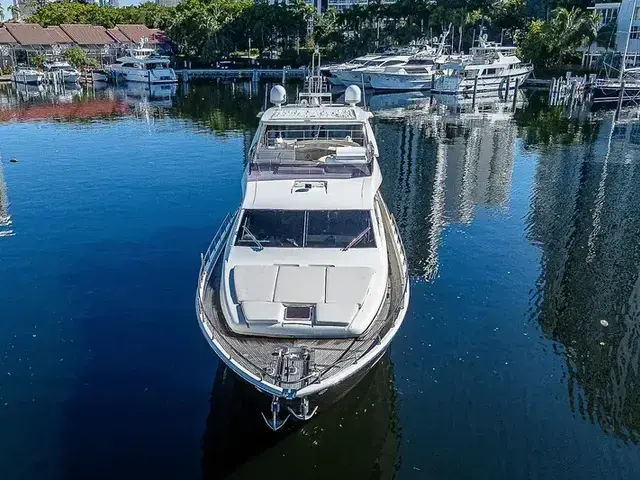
(556, 42)
(78, 57)
(38, 61)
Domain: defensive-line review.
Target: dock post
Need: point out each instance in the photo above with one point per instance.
(515, 95)
(475, 89)
(620, 99)
(506, 89)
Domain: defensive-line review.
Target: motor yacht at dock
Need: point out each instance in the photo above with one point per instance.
(491, 69)
(142, 65)
(330, 72)
(64, 70)
(415, 74)
(362, 75)
(304, 286)
(27, 75)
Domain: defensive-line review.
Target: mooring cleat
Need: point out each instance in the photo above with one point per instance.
(304, 410)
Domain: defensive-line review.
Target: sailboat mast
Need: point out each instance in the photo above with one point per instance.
(626, 46)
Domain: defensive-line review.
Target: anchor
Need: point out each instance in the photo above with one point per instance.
(274, 422)
(304, 410)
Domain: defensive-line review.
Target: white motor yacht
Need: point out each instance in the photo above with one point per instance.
(361, 76)
(143, 66)
(331, 72)
(27, 75)
(304, 286)
(67, 72)
(416, 74)
(491, 69)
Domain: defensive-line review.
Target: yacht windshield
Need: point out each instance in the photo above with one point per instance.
(271, 228)
(345, 229)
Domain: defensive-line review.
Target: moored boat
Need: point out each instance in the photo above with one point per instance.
(27, 75)
(491, 69)
(305, 285)
(67, 73)
(150, 69)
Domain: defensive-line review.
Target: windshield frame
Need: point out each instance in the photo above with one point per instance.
(340, 229)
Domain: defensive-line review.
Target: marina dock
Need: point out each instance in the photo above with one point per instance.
(254, 74)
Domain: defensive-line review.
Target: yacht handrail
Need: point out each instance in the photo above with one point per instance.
(218, 237)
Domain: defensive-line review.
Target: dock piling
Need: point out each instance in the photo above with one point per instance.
(475, 89)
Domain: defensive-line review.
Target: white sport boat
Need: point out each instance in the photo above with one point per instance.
(304, 286)
(492, 69)
(27, 75)
(143, 68)
(67, 72)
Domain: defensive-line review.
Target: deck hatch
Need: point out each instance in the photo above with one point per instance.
(298, 312)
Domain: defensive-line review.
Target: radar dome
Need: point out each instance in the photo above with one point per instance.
(278, 95)
(352, 95)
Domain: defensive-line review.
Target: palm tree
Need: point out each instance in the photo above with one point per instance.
(570, 29)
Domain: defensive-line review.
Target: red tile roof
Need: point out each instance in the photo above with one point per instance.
(6, 38)
(58, 35)
(87, 34)
(118, 36)
(135, 32)
(29, 34)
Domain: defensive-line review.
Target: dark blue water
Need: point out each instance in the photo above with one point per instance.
(523, 237)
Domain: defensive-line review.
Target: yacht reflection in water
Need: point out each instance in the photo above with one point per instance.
(585, 217)
(439, 167)
(364, 424)
(5, 218)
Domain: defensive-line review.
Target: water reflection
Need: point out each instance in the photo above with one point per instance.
(585, 216)
(438, 168)
(5, 218)
(237, 443)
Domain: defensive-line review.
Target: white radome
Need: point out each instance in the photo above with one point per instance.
(278, 95)
(352, 95)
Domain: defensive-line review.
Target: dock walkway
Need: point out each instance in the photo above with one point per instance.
(245, 73)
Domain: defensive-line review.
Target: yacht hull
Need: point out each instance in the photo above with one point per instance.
(28, 78)
(344, 361)
(400, 83)
(165, 75)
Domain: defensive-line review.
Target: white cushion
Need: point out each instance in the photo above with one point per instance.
(300, 284)
(348, 284)
(262, 312)
(335, 313)
(254, 283)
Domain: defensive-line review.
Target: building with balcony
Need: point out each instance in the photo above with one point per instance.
(626, 15)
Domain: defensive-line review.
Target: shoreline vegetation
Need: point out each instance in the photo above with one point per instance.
(207, 31)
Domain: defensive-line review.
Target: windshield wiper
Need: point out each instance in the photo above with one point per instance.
(252, 237)
(357, 239)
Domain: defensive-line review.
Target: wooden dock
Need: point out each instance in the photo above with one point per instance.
(253, 74)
